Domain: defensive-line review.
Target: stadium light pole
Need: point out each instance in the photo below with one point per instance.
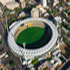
(23, 56)
(24, 45)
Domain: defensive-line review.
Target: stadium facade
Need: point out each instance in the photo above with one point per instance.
(31, 53)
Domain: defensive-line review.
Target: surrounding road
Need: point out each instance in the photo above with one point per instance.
(4, 48)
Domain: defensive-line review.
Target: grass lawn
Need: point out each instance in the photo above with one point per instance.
(68, 57)
(30, 35)
(35, 61)
(64, 39)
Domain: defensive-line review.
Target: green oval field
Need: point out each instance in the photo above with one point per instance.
(30, 35)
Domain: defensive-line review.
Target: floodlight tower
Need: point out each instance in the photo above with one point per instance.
(23, 56)
(24, 45)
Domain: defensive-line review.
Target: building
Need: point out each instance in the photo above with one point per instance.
(44, 3)
(35, 13)
(2, 67)
(68, 3)
(4, 2)
(44, 65)
(55, 2)
(22, 3)
(58, 19)
(22, 14)
(32, 2)
(41, 9)
(56, 62)
(56, 53)
(11, 4)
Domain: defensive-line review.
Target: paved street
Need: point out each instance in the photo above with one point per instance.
(2, 45)
(6, 49)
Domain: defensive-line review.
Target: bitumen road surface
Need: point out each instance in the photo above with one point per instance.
(5, 47)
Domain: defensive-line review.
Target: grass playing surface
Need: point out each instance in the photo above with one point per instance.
(30, 35)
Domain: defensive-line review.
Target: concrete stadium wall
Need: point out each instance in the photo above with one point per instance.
(19, 51)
